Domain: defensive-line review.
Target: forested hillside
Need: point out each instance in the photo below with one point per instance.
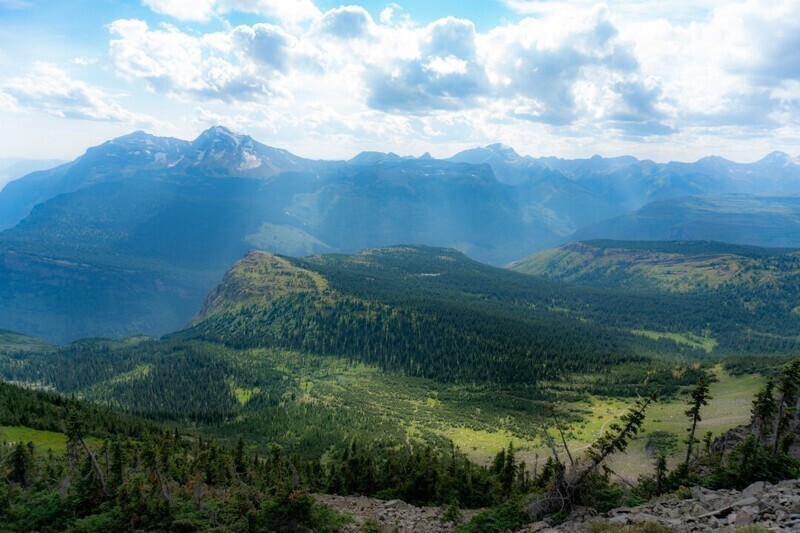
(670, 266)
(749, 219)
(433, 312)
(357, 374)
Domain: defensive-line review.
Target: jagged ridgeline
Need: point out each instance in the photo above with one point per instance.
(435, 313)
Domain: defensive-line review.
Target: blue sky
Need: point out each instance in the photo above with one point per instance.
(659, 80)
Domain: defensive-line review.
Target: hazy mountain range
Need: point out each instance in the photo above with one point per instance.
(14, 167)
(130, 236)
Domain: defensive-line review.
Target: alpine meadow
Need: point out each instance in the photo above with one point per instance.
(295, 266)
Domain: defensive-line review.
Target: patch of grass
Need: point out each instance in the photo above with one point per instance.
(730, 407)
(243, 395)
(695, 341)
(483, 445)
(139, 372)
(43, 440)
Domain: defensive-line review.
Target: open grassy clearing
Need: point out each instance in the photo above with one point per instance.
(483, 420)
(732, 397)
(695, 341)
(291, 392)
(43, 440)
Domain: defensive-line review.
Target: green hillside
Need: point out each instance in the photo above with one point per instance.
(434, 313)
(750, 219)
(402, 342)
(670, 266)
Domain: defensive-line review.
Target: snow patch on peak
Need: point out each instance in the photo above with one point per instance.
(249, 161)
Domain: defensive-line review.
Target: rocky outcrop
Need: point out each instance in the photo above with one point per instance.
(393, 515)
(771, 507)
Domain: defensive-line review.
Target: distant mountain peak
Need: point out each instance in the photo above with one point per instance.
(779, 158)
(504, 151)
(220, 130)
(137, 138)
(138, 134)
(221, 133)
(374, 158)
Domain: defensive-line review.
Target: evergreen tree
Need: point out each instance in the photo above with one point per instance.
(20, 460)
(788, 389)
(508, 471)
(699, 397)
(764, 410)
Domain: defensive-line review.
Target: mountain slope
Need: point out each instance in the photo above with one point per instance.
(673, 266)
(157, 220)
(754, 290)
(740, 219)
(114, 160)
(435, 313)
(13, 168)
(332, 305)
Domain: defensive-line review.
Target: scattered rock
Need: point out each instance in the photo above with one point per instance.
(754, 489)
(537, 527)
(394, 515)
(752, 500)
(771, 507)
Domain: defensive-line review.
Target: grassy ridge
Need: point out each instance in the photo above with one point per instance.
(674, 266)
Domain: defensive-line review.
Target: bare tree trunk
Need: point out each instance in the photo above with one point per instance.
(95, 467)
(564, 440)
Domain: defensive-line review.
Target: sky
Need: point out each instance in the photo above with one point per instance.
(653, 79)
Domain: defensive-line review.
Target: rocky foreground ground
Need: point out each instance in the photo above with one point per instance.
(760, 507)
(393, 516)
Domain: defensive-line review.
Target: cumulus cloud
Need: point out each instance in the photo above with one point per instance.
(735, 68)
(444, 74)
(568, 70)
(48, 89)
(346, 22)
(195, 10)
(237, 66)
(290, 11)
(393, 15)
(560, 68)
(264, 43)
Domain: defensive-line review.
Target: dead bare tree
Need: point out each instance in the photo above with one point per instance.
(567, 486)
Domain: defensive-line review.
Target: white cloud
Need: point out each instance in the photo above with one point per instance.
(346, 22)
(265, 43)
(237, 66)
(290, 11)
(441, 72)
(84, 61)
(48, 89)
(194, 10)
(625, 10)
(8, 103)
(632, 71)
(734, 68)
(443, 66)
